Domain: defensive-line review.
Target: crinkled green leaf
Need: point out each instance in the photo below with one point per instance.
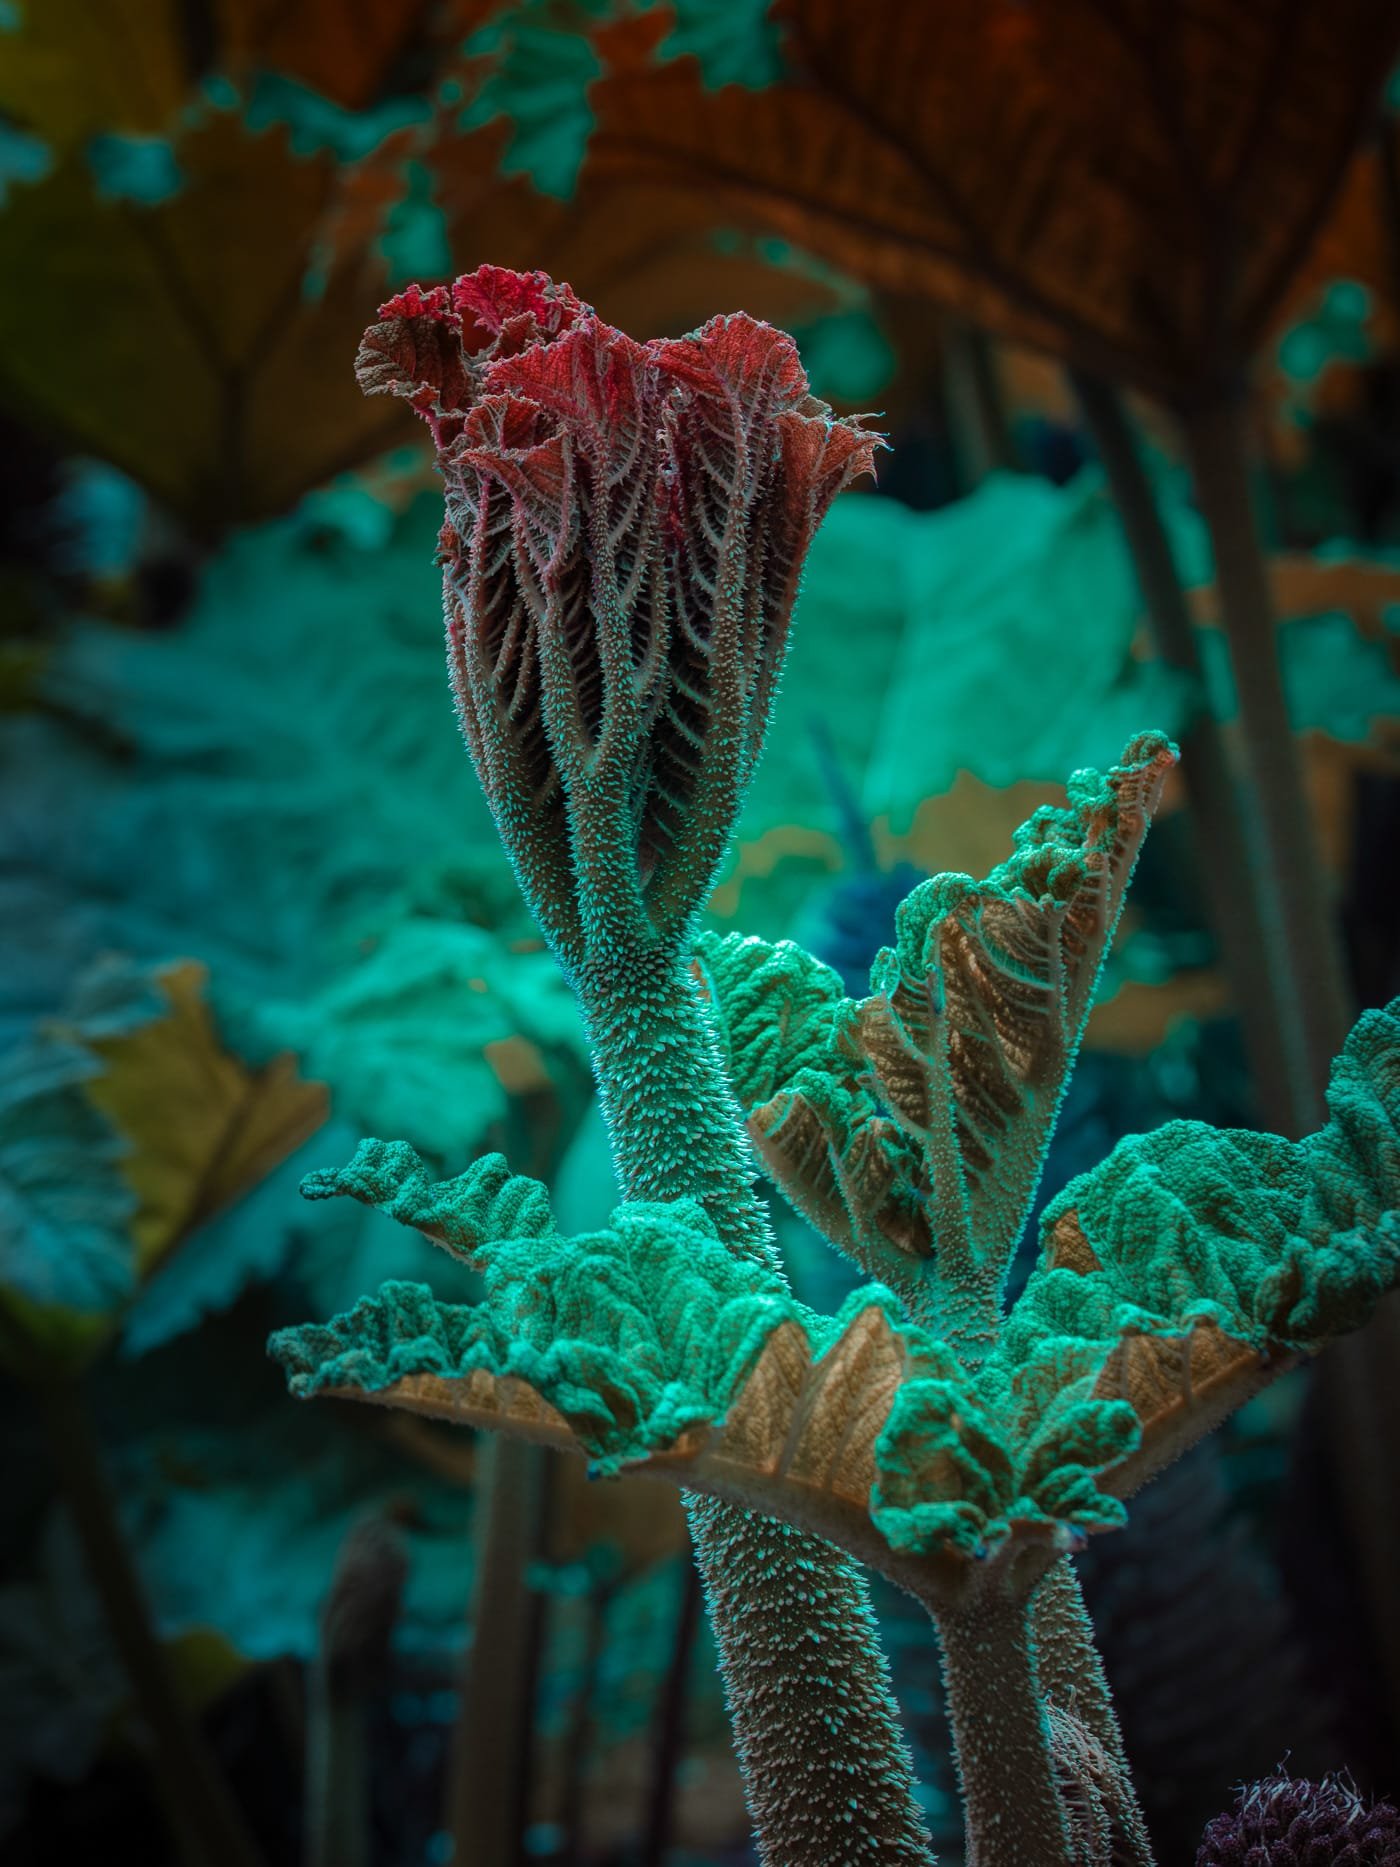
(775, 1010)
(634, 1334)
(648, 1341)
(1192, 1257)
(912, 1125)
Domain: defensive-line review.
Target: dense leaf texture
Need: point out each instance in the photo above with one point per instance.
(1127, 184)
(1203, 1256)
(1171, 1275)
(648, 1344)
(910, 1127)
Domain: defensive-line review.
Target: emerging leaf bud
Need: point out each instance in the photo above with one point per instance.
(626, 526)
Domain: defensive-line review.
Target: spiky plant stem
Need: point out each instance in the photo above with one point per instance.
(1302, 951)
(1071, 1674)
(1238, 897)
(966, 1314)
(827, 1773)
(206, 1819)
(1001, 1736)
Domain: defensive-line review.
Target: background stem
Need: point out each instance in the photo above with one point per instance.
(349, 1672)
(976, 409)
(670, 1723)
(207, 1820)
(492, 1745)
(1239, 901)
(1302, 951)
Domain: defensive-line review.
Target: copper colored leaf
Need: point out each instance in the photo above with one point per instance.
(201, 1127)
(1128, 185)
(69, 68)
(182, 341)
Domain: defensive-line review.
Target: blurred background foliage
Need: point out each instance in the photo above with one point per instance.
(253, 904)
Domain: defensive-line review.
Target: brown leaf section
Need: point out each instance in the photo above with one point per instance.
(345, 49)
(202, 1126)
(798, 1441)
(1181, 1387)
(647, 258)
(1126, 184)
(180, 341)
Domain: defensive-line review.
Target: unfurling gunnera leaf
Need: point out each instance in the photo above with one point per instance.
(647, 1345)
(1194, 1260)
(912, 1125)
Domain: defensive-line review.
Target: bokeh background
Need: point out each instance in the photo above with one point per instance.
(253, 906)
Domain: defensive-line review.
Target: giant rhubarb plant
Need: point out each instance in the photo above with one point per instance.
(625, 528)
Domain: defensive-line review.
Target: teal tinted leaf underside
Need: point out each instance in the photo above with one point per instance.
(1188, 1257)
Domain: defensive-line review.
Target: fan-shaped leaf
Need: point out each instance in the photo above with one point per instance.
(1064, 174)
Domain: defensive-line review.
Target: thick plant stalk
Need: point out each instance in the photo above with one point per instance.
(1001, 1736)
(491, 1744)
(1239, 898)
(828, 1775)
(625, 528)
(207, 1820)
(1070, 1671)
(1303, 949)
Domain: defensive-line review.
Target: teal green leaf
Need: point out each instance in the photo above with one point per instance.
(649, 1343)
(1193, 1259)
(999, 636)
(913, 1124)
(775, 1010)
(634, 1334)
(64, 1206)
(408, 1034)
(542, 64)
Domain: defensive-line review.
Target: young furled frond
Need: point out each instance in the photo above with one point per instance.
(626, 525)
